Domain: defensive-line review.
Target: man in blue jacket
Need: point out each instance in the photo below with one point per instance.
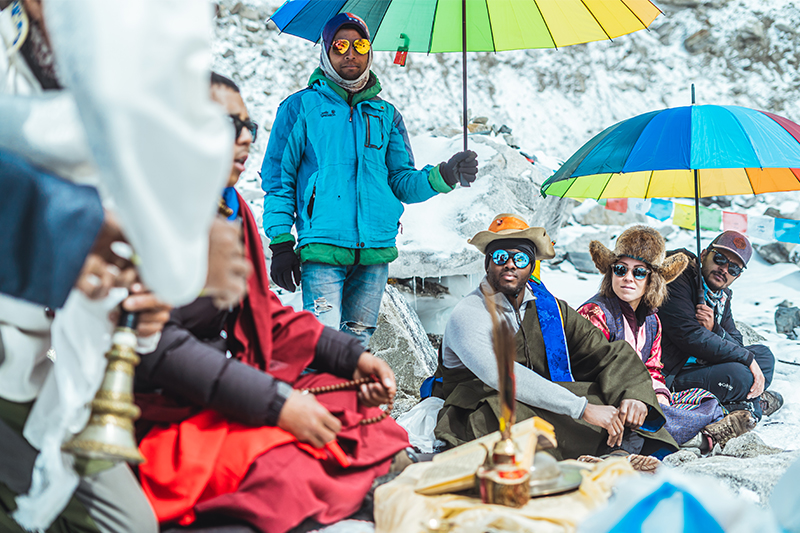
(339, 168)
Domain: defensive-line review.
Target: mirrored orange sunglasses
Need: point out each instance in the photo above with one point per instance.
(359, 45)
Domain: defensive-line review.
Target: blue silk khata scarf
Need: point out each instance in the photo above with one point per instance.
(555, 341)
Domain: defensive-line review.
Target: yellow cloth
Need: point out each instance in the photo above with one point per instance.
(398, 509)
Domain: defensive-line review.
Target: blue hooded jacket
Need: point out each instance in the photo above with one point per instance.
(339, 173)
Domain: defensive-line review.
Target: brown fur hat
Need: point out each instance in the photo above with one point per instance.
(645, 244)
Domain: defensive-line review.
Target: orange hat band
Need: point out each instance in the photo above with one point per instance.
(506, 223)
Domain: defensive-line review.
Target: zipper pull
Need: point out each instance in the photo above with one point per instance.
(351, 114)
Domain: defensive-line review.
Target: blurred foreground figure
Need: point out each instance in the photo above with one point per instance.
(230, 439)
(107, 98)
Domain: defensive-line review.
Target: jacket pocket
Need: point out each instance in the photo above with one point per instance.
(374, 131)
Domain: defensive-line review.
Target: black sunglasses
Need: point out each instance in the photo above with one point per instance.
(251, 126)
(521, 259)
(638, 272)
(733, 269)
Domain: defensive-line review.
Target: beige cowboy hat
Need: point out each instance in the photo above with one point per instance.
(509, 226)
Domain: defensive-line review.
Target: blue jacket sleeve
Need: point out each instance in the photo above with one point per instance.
(408, 184)
(49, 225)
(280, 167)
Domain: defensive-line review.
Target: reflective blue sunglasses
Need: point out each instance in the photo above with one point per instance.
(638, 272)
(521, 259)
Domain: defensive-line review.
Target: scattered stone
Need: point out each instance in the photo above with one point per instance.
(510, 140)
(682, 456)
(236, 8)
(420, 286)
(749, 335)
(504, 129)
(264, 53)
(436, 341)
(582, 261)
(772, 212)
(475, 127)
(785, 303)
(251, 26)
(577, 251)
(749, 445)
(228, 53)
(401, 341)
(250, 14)
(480, 120)
(699, 42)
(786, 320)
(775, 252)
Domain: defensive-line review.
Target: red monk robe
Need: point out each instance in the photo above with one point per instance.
(212, 445)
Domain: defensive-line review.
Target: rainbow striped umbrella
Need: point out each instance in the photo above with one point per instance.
(697, 150)
(472, 25)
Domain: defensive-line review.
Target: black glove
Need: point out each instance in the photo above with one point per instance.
(285, 264)
(462, 167)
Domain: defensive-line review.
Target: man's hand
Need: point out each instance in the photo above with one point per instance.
(632, 413)
(461, 168)
(305, 418)
(104, 268)
(285, 266)
(228, 268)
(663, 399)
(381, 391)
(606, 417)
(758, 381)
(705, 315)
(153, 313)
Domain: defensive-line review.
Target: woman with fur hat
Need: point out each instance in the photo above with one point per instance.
(634, 285)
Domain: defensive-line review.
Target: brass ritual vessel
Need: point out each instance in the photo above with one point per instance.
(109, 433)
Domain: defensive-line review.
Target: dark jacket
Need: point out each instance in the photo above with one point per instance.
(683, 336)
(191, 366)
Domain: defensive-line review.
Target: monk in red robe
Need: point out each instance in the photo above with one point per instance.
(228, 435)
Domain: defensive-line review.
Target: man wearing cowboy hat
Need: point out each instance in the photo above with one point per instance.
(702, 346)
(566, 371)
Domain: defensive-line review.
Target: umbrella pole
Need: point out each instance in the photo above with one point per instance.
(464, 65)
(701, 294)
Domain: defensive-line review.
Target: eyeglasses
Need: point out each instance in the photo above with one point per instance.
(251, 126)
(638, 272)
(341, 46)
(521, 259)
(733, 269)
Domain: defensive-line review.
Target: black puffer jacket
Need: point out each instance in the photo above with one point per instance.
(190, 365)
(683, 336)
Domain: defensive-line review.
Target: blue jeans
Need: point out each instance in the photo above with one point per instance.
(345, 297)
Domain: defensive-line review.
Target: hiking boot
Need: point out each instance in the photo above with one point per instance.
(771, 401)
(735, 424)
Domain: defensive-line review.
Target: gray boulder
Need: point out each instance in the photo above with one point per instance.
(577, 250)
(786, 320)
(401, 341)
(508, 183)
(775, 252)
(746, 463)
(749, 335)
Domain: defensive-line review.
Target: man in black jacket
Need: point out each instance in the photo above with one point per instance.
(701, 346)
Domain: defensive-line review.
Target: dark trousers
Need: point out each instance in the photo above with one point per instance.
(729, 382)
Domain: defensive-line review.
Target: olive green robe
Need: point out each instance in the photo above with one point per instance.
(605, 373)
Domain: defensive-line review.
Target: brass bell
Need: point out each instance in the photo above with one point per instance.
(109, 433)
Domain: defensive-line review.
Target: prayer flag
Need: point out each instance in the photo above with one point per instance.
(761, 228)
(684, 216)
(638, 206)
(710, 219)
(660, 209)
(619, 205)
(734, 221)
(787, 230)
